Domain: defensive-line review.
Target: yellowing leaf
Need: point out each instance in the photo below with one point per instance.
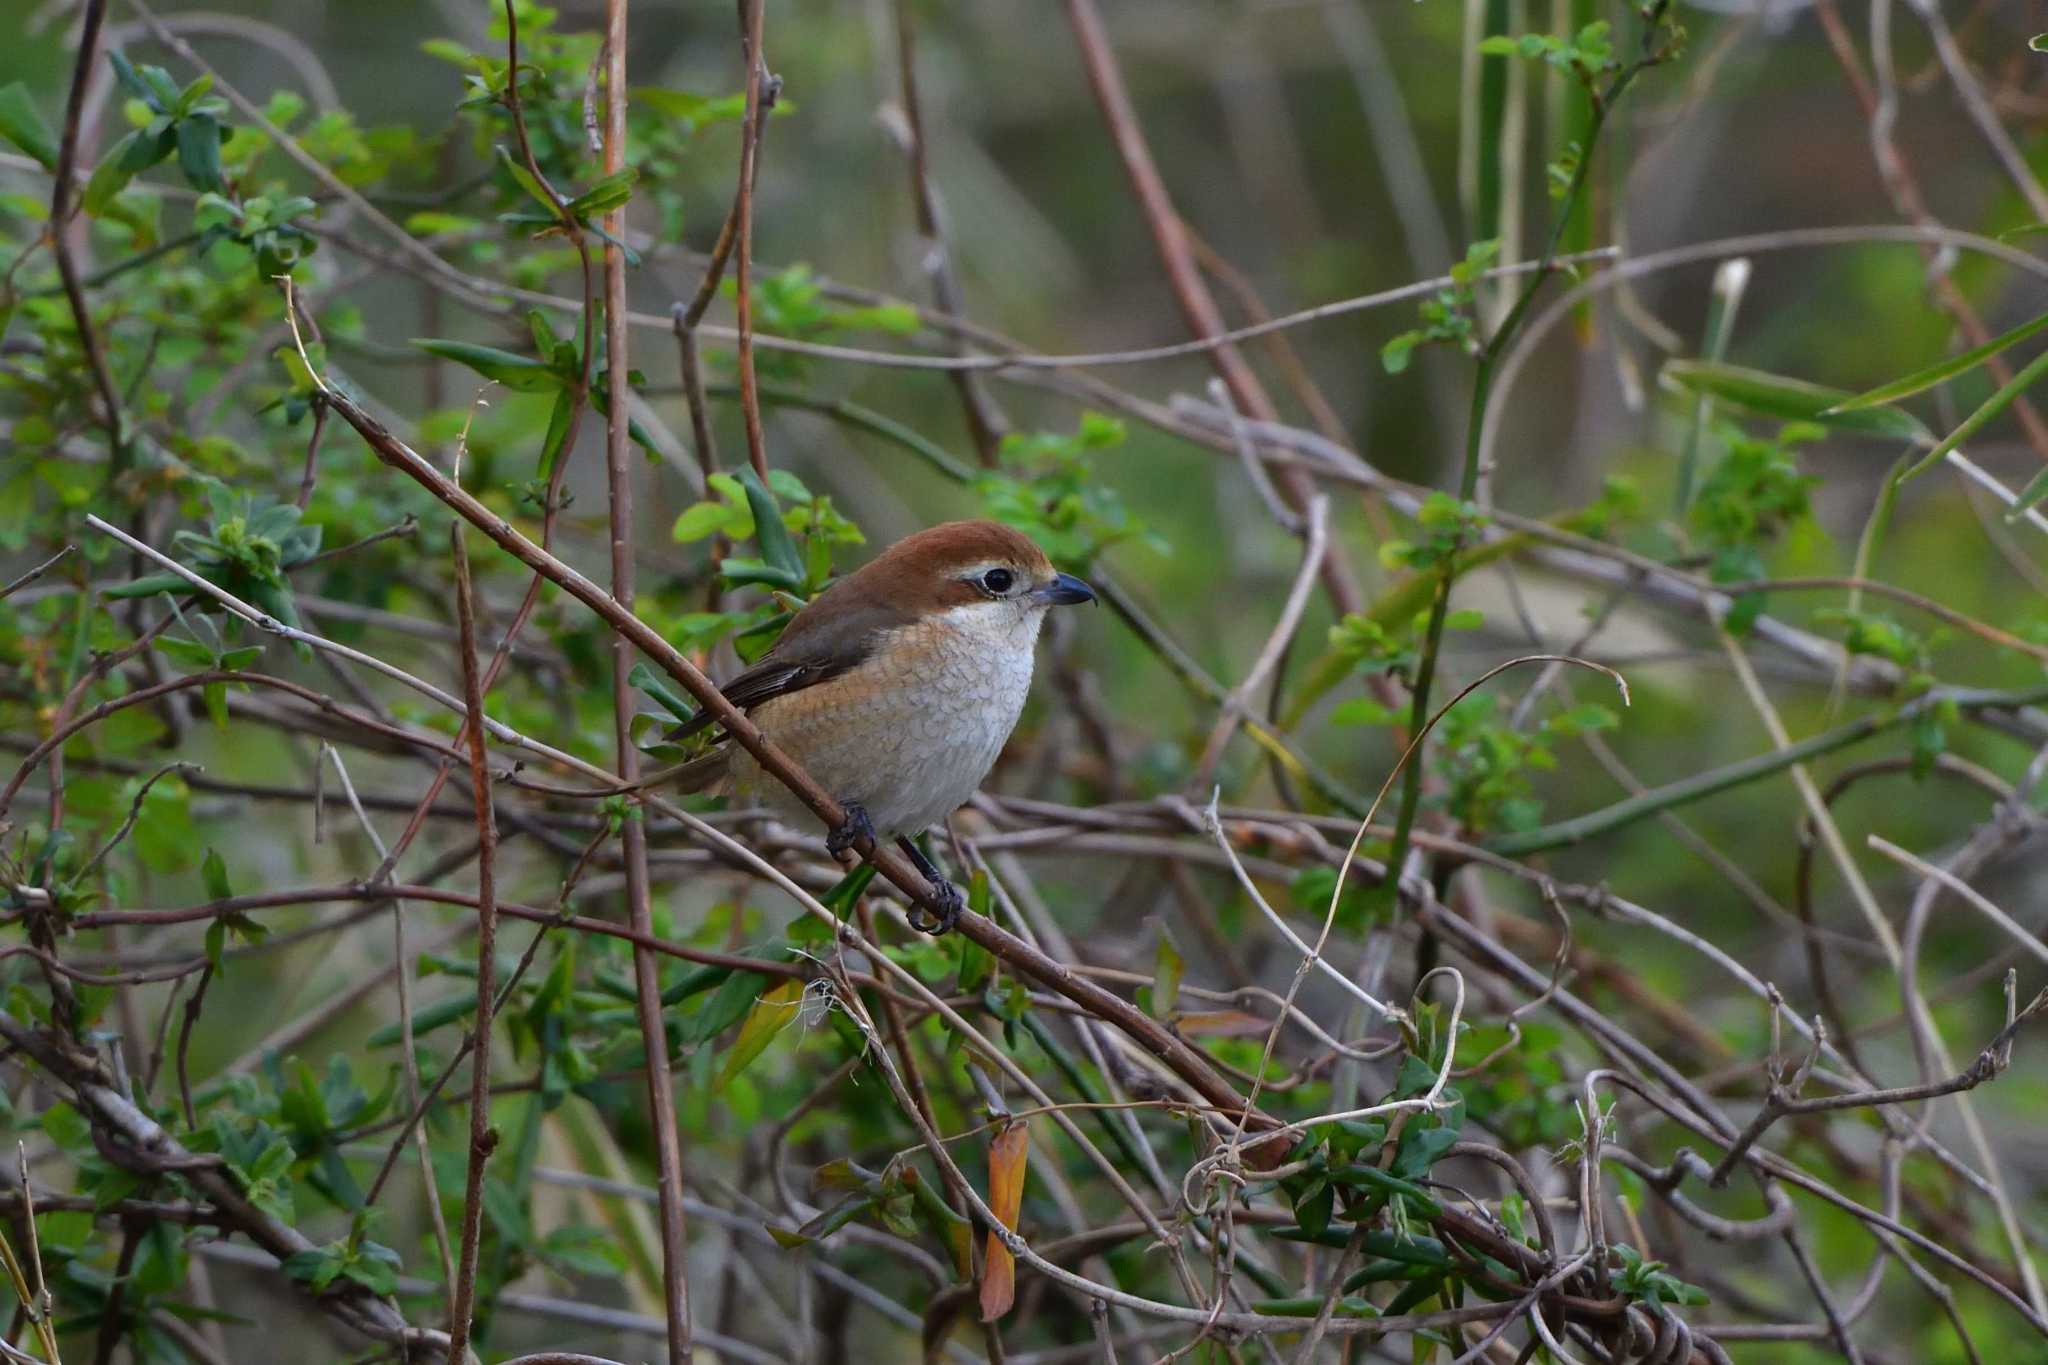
(770, 1014)
(1008, 1156)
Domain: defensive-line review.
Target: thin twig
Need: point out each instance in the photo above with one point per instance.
(483, 1138)
(633, 837)
(743, 270)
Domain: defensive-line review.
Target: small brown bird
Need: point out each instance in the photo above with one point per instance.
(897, 687)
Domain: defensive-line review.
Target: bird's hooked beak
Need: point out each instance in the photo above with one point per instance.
(1065, 591)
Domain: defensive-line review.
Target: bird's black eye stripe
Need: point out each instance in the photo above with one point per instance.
(998, 581)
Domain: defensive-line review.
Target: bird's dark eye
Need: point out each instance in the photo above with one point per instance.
(998, 581)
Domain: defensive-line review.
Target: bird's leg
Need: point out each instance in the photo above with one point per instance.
(850, 831)
(951, 902)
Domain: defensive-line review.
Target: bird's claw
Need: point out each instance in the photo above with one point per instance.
(951, 904)
(850, 831)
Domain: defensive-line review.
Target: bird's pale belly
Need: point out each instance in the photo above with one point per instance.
(909, 739)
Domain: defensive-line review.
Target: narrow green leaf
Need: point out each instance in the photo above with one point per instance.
(522, 374)
(215, 874)
(847, 890)
(1921, 380)
(1167, 966)
(425, 1021)
(166, 90)
(2036, 489)
(22, 124)
(1793, 400)
(700, 520)
(605, 195)
(776, 547)
(125, 72)
(655, 684)
(1990, 408)
(727, 1006)
(147, 587)
(527, 182)
(558, 432)
(110, 177)
(190, 653)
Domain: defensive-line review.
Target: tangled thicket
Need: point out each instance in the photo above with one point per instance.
(360, 999)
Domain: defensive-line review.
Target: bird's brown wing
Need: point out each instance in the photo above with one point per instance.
(816, 646)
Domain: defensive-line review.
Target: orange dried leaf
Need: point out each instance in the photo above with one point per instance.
(1008, 1156)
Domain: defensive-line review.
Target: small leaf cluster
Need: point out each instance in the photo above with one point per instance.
(185, 120)
(1879, 635)
(1586, 54)
(744, 511)
(557, 367)
(1648, 1281)
(792, 303)
(1447, 316)
(251, 545)
(1374, 1175)
(1750, 497)
(1486, 763)
(897, 1199)
(1049, 489)
(354, 1258)
(1448, 525)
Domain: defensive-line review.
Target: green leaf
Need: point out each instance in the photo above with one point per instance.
(1167, 966)
(199, 151)
(424, 1021)
(22, 124)
(125, 72)
(215, 873)
(522, 374)
(190, 653)
(1421, 1149)
(111, 176)
(701, 520)
(727, 1006)
(1413, 1250)
(1997, 403)
(558, 432)
(168, 95)
(1362, 711)
(149, 146)
(375, 1269)
(655, 684)
(770, 1015)
(526, 181)
(776, 547)
(2036, 489)
(848, 890)
(317, 1266)
(605, 195)
(736, 570)
(1942, 371)
(189, 97)
(1793, 400)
